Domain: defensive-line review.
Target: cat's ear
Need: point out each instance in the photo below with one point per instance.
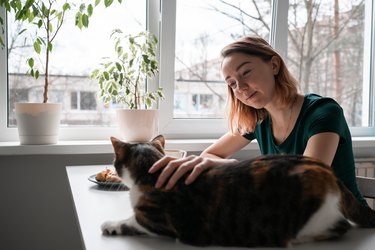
(159, 140)
(115, 142)
(118, 146)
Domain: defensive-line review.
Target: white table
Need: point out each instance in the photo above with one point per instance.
(95, 205)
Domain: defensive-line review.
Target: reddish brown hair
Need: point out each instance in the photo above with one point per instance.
(243, 118)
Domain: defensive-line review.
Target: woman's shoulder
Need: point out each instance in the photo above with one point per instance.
(320, 103)
(323, 114)
(315, 98)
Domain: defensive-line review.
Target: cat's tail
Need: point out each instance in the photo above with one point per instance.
(361, 215)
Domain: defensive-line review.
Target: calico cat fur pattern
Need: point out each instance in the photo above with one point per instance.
(271, 201)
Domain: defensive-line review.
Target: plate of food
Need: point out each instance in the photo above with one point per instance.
(107, 178)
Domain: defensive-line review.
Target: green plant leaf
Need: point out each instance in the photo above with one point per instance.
(37, 47)
(78, 20)
(118, 66)
(90, 10)
(145, 58)
(97, 2)
(108, 3)
(66, 7)
(45, 10)
(30, 62)
(50, 46)
(94, 74)
(148, 102)
(85, 20)
(82, 7)
(106, 75)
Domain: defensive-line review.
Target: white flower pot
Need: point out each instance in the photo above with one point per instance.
(138, 125)
(38, 123)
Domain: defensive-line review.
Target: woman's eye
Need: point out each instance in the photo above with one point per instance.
(246, 73)
(232, 84)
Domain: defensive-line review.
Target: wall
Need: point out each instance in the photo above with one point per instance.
(36, 207)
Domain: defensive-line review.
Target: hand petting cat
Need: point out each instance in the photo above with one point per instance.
(173, 169)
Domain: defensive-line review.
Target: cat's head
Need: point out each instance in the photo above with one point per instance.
(133, 160)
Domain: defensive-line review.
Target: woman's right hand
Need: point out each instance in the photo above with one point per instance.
(173, 169)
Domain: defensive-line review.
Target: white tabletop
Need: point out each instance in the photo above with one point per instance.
(94, 205)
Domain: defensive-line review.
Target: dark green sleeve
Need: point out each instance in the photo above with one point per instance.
(327, 117)
(249, 136)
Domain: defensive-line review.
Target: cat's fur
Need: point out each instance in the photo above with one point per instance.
(267, 201)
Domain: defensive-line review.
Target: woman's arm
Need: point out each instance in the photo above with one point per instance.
(323, 146)
(173, 169)
(226, 146)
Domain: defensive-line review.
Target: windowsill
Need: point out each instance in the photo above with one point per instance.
(96, 147)
(104, 147)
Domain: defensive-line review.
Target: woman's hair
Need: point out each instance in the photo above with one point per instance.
(243, 118)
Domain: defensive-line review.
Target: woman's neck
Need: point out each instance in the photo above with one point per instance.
(284, 118)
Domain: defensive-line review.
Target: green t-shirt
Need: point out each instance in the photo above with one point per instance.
(318, 115)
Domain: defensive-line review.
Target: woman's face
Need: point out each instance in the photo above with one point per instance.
(250, 78)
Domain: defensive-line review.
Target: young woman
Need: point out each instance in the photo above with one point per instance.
(264, 104)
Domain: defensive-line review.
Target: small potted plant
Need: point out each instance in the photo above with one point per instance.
(122, 81)
(38, 123)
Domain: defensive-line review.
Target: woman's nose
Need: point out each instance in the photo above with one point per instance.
(242, 85)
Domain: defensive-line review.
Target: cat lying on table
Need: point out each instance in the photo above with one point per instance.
(266, 201)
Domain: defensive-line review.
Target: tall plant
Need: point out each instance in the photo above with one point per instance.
(48, 16)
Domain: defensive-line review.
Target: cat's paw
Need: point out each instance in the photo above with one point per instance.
(111, 228)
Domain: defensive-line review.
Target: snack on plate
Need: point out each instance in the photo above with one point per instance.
(107, 175)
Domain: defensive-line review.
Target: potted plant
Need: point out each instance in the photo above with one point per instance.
(122, 81)
(38, 123)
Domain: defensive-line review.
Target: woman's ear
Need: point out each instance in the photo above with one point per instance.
(275, 62)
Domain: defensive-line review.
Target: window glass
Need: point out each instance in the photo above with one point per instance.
(200, 91)
(75, 54)
(325, 51)
(87, 100)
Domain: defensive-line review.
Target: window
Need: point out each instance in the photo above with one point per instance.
(328, 46)
(199, 41)
(82, 100)
(76, 53)
(198, 31)
(326, 52)
(322, 42)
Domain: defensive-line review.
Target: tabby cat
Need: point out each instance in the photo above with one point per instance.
(267, 201)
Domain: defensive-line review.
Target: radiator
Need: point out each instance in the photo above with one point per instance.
(366, 167)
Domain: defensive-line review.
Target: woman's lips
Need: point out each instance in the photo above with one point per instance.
(252, 95)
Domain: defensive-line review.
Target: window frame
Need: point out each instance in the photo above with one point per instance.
(161, 20)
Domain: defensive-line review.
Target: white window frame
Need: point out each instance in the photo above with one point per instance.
(161, 20)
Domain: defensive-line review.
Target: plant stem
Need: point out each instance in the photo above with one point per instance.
(46, 74)
(137, 101)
